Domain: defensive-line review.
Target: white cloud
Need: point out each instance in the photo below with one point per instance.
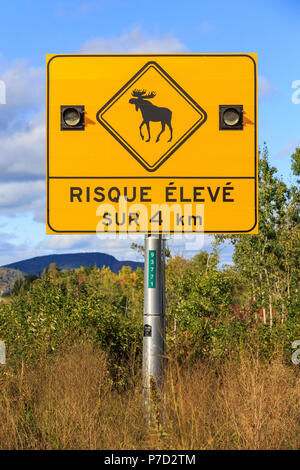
(116, 246)
(22, 137)
(135, 42)
(11, 252)
(16, 198)
(289, 148)
(25, 85)
(265, 88)
(25, 95)
(22, 153)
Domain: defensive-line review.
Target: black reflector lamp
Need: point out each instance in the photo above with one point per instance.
(72, 118)
(231, 117)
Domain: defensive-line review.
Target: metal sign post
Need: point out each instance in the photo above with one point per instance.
(154, 341)
(2, 353)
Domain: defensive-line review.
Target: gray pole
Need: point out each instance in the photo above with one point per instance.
(2, 353)
(154, 340)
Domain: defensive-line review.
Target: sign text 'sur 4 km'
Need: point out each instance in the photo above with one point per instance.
(152, 143)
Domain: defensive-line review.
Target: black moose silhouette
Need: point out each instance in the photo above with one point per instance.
(150, 112)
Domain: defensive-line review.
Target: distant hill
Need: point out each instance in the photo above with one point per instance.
(71, 261)
(8, 278)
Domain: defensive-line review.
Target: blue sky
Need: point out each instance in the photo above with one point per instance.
(30, 29)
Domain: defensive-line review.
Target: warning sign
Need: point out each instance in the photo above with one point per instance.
(152, 143)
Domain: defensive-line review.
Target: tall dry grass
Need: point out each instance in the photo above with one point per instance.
(69, 402)
(240, 404)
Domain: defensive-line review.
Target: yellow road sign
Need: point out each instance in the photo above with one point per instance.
(161, 143)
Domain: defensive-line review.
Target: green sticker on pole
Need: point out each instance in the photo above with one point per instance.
(152, 269)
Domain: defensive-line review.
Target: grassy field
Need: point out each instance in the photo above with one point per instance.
(69, 401)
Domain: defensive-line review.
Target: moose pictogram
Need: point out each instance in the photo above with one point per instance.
(150, 112)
